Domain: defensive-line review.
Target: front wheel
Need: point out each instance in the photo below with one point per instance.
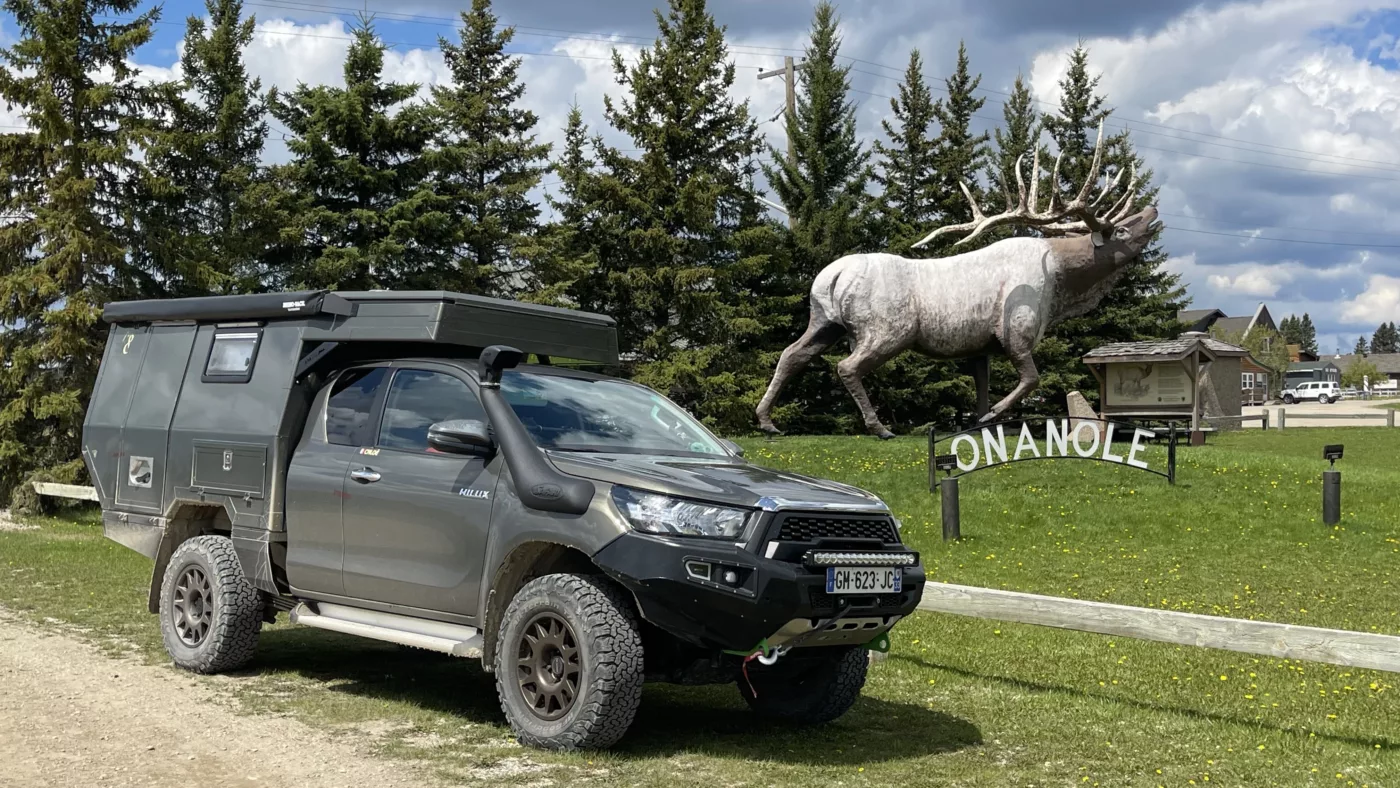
(1288, 399)
(210, 615)
(1323, 399)
(807, 688)
(569, 663)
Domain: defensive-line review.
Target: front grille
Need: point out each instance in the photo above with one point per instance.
(810, 528)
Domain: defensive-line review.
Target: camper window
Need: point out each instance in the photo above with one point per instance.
(231, 357)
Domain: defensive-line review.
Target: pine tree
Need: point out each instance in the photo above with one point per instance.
(694, 272)
(1144, 302)
(823, 188)
(1308, 334)
(1017, 140)
(202, 207)
(63, 251)
(1385, 340)
(570, 245)
(1291, 329)
(1361, 348)
(905, 170)
(363, 213)
(958, 154)
(486, 162)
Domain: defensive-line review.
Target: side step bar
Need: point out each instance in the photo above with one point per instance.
(454, 639)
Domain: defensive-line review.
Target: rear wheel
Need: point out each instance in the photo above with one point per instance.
(1323, 399)
(210, 615)
(569, 663)
(807, 688)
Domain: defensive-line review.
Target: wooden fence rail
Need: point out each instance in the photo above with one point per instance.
(1265, 638)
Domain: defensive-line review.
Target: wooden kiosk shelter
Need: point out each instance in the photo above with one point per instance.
(1190, 378)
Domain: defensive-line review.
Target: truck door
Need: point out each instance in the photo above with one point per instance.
(416, 520)
(316, 478)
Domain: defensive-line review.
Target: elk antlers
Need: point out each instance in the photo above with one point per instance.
(1026, 212)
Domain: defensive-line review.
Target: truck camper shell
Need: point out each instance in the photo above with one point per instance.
(199, 402)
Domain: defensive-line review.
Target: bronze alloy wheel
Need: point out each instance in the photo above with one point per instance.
(547, 666)
(193, 606)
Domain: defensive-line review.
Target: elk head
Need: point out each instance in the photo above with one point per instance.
(1115, 234)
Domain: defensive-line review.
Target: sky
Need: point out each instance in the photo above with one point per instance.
(1261, 121)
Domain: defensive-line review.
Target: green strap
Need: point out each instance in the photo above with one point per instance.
(880, 644)
(761, 647)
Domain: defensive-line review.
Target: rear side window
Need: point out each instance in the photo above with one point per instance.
(351, 405)
(231, 357)
(418, 399)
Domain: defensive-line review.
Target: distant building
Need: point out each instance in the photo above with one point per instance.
(1296, 353)
(1254, 378)
(1310, 371)
(1387, 363)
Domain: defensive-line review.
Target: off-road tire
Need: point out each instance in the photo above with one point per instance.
(1288, 399)
(610, 646)
(805, 690)
(236, 607)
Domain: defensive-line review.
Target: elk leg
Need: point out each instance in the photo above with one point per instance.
(819, 336)
(863, 360)
(1018, 342)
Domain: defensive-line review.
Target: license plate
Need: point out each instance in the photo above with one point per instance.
(862, 580)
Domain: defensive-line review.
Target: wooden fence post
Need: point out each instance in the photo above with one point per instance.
(1390, 417)
(1282, 418)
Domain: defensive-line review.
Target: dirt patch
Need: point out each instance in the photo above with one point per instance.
(8, 523)
(69, 716)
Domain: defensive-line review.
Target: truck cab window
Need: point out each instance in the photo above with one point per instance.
(418, 399)
(350, 406)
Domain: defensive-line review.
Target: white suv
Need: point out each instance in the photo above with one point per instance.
(1323, 391)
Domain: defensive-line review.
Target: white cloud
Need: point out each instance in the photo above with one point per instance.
(1251, 283)
(1378, 303)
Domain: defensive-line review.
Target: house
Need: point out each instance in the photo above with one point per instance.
(1309, 371)
(1254, 378)
(1387, 363)
(1297, 353)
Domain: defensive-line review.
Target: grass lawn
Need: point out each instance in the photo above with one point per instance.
(959, 701)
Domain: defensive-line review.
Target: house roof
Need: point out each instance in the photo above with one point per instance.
(1192, 315)
(1233, 325)
(1386, 363)
(1162, 349)
(1309, 366)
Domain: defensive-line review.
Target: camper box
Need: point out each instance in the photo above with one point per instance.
(200, 401)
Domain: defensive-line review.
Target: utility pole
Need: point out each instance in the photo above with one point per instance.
(789, 74)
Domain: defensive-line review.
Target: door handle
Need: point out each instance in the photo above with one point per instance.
(365, 475)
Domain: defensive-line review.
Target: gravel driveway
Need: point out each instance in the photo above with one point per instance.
(72, 717)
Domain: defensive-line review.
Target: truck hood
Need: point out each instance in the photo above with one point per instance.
(723, 480)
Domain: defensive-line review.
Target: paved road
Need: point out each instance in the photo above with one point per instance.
(72, 717)
(1307, 414)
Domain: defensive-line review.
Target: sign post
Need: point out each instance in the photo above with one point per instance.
(952, 524)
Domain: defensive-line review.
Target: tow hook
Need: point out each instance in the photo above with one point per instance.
(774, 654)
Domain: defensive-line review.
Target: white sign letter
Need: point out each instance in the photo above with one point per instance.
(1026, 442)
(1093, 430)
(1138, 435)
(999, 445)
(1108, 447)
(976, 453)
(1056, 437)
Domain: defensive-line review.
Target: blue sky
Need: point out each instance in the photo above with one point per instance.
(1268, 120)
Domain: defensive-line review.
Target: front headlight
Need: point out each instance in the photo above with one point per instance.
(662, 514)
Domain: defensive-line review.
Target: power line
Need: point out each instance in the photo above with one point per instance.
(1282, 240)
(1283, 226)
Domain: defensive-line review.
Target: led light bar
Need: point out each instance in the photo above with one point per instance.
(843, 558)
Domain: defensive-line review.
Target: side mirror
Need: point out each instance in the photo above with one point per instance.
(461, 436)
(732, 446)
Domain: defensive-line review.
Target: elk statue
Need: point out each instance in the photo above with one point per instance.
(1006, 295)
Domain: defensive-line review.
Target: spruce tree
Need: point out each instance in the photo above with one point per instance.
(1361, 348)
(958, 154)
(694, 271)
(202, 206)
(63, 245)
(486, 162)
(570, 245)
(1291, 329)
(1385, 340)
(1144, 302)
(1017, 140)
(362, 211)
(905, 166)
(823, 186)
(1308, 334)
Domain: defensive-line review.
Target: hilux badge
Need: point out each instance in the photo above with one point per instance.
(467, 492)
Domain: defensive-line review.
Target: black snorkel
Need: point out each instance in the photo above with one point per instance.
(537, 483)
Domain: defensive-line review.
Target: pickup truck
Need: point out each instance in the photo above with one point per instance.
(387, 465)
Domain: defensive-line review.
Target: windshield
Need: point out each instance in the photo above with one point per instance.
(577, 414)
